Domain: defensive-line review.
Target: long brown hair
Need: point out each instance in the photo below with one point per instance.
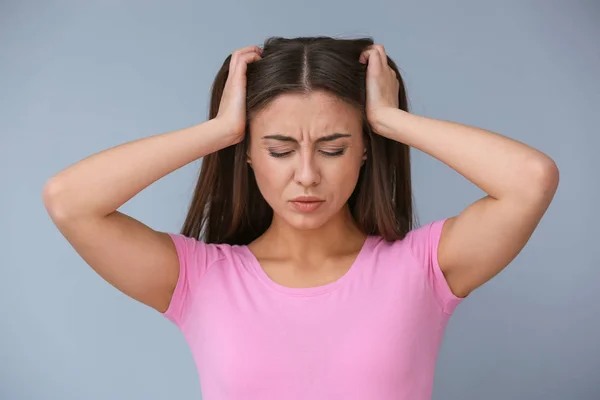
(227, 206)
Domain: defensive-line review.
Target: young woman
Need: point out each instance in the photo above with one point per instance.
(298, 273)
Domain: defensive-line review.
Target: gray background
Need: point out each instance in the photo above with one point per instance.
(79, 77)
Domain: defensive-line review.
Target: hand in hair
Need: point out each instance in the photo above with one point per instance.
(232, 107)
(382, 83)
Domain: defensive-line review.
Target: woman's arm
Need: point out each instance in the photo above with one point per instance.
(98, 185)
(519, 180)
(82, 201)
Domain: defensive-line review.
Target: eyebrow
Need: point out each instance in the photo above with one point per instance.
(327, 138)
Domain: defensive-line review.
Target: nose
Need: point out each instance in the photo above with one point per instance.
(307, 171)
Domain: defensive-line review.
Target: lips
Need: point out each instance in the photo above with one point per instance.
(307, 199)
(307, 203)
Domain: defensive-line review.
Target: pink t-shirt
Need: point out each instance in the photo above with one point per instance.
(372, 334)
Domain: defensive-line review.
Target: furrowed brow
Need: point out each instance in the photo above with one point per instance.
(327, 138)
(280, 137)
(332, 137)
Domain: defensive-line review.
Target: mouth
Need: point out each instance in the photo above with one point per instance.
(307, 203)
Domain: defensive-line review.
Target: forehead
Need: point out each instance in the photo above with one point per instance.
(307, 116)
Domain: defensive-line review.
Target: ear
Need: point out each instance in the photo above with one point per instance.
(364, 156)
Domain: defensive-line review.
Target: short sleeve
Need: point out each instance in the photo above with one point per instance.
(424, 242)
(195, 258)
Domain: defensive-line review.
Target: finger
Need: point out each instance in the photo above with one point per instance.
(240, 52)
(394, 74)
(374, 60)
(365, 55)
(381, 53)
(383, 58)
(243, 60)
(372, 52)
(248, 49)
(245, 50)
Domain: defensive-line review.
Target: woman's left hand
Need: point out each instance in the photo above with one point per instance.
(382, 84)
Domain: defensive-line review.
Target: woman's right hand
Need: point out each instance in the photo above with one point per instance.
(232, 107)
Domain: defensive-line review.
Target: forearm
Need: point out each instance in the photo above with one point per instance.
(102, 182)
(498, 165)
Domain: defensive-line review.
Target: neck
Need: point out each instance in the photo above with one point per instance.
(339, 235)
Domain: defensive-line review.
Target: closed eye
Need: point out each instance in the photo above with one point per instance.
(279, 155)
(336, 153)
(333, 153)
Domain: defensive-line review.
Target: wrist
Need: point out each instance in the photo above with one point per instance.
(384, 121)
(221, 133)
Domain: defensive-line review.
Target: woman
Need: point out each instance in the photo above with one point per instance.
(310, 281)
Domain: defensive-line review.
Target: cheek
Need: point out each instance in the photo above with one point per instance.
(271, 177)
(344, 174)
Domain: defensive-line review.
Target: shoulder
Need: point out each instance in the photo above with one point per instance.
(198, 262)
(198, 256)
(417, 253)
(421, 241)
(424, 240)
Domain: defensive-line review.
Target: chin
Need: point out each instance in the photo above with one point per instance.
(306, 222)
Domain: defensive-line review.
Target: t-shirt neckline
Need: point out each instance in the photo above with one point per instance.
(314, 290)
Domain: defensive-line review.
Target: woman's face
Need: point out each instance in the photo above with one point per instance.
(306, 145)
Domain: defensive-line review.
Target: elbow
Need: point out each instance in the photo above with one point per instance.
(51, 195)
(545, 178)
